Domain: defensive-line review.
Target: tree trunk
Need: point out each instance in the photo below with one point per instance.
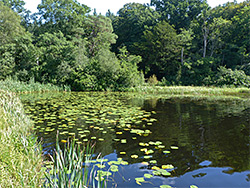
(182, 54)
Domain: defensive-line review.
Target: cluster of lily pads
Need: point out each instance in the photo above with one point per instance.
(91, 117)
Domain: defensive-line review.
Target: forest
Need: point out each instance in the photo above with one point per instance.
(178, 42)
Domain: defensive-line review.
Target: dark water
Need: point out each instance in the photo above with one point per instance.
(212, 137)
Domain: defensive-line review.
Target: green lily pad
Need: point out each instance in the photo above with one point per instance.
(134, 156)
(141, 179)
(123, 141)
(168, 166)
(174, 147)
(165, 186)
(193, 186)
(114, 168)
(153, 161)
(148, 175)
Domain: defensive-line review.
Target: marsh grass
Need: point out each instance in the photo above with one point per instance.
(27, 87)
(20, 156)
(190, 90)
(71, 167)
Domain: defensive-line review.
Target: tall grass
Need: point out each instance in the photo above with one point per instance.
(20, 156)
(31, 86)
(190, 90)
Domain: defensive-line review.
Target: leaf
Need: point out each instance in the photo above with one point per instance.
(165, 173)
(155, 168)
(153, 161)
(100, 166)
(140, 179)
(123, 141)
(193, 186)
(174, 147)
(114, 168)
(147, 157)
(145, 163)
(168, 166)
(148, 175)
(134, 156)
(165, 186)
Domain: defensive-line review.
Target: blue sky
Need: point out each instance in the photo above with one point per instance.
(102, 6)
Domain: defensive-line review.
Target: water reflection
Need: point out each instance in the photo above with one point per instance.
(213, 137)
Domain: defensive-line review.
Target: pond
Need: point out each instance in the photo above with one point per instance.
(154, 141)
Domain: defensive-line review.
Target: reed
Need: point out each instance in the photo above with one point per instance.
(27, 87)
(20, 156)
(190, 90)
(71, 168)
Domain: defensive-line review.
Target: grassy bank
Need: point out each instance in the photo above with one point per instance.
(190, 90)
(20, 157)
(24, 87)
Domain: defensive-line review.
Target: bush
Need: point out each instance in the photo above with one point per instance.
(231, 77)
(152, 80)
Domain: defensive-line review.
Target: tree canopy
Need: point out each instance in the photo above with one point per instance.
(177, 42)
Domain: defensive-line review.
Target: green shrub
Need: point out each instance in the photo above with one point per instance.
(152, 80)
(236, 78)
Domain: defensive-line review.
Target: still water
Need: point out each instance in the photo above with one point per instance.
(203, 142)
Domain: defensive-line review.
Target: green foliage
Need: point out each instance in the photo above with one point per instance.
(17, 53)
(230, 77)
(67, 169)
(20, 159)
(178, 13)
(129, 75)
(131, 22)
(60, 15)
(56, 58)
(152, 80)
(160, 50)
(10, 26)
(199, 72)
(16, 86)
(184, 42)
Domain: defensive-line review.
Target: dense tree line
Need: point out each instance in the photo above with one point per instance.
(180, 42)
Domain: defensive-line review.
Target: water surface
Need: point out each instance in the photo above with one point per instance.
(206, 141)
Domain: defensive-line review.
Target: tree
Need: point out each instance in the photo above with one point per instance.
(131, 22)
(60, 15)
(10, 26)
(56, 58)
(16, 5)
(160, 51)
(16, 48)
(99, 34)
(179, 13)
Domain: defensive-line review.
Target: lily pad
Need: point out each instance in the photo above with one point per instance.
(148, 175)
(168, 166)
(134, 156)
(174, 147)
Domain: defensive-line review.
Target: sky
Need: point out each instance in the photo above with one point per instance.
(102, 6)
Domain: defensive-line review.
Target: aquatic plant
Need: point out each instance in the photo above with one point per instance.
(67, 170)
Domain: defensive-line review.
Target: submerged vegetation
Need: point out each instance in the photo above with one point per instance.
(20, 159)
